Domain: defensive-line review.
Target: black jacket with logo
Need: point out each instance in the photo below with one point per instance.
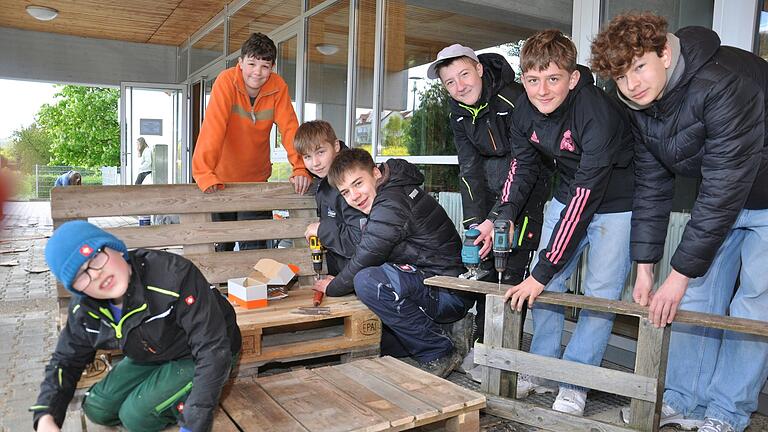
(589, 142)
(169, 312)
(481, 135)
(711, 126)
(340, 225)
(406, 226)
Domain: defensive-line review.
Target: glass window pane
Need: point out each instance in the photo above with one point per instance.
(326, 79)
(260, 16)
(414, 120)
(208, 48)
(679, 13)
(364, 84)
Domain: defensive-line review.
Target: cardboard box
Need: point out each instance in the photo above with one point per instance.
(271, 272)
(247, 292)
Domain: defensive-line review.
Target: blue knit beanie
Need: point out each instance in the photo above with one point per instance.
(74, 243)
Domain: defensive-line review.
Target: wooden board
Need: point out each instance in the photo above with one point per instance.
(130, 200)
(742, 325)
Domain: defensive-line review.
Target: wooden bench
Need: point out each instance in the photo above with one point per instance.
(501, 354)
(274, 333)
(382, 394)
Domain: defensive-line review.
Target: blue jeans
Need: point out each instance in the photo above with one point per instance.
(716, 373)
(608, 265)
(411, 309)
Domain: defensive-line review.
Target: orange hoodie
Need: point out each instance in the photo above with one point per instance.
(233, 145)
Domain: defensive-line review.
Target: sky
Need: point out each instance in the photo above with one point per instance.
(21, 101)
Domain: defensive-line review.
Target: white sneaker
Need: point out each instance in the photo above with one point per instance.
(526, 385)
(668, 417)
(714, 425)
(570, 401)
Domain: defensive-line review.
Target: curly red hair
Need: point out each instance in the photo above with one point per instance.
(628, 36)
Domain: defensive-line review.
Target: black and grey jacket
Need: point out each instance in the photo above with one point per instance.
(481, 135)
(406, 226)
(587, 139)
(340, 225)
(170, 312)
(709, 125)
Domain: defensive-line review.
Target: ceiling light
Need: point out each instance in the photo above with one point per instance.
(327, 49)
(42, 13)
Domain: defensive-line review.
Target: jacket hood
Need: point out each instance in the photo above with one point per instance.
(398, 172)
(497, 74)
(698, 45)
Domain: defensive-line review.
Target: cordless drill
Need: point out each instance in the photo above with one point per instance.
(501, 246)
(470, 256)
(316, 251)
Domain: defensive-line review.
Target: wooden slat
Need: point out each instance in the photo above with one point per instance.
(280, 312)
(395, 415)
(93, 201)
(222, 422)
(417, 408)
(441, 394)
(742, 325)
(220, 266)
(547, 419)
(466, 422)
(318, 405)
(651, 361)
(255, 411)
(502, 329)
(162, 235)
(594, 377)
(197, 233)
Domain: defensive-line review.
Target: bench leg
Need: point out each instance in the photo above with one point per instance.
(466, 422)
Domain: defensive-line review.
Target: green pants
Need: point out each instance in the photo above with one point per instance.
(143, 397)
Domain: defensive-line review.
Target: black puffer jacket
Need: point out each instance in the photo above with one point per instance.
(589, 139)
(710, 125)
(340, 225)
(406, 226)
(481, 135)
(170, 312)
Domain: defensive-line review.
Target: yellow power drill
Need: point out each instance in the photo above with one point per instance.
(316, 250)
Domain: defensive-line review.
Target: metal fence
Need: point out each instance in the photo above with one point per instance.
(38, 185)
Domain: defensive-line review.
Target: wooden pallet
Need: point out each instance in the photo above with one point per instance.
(76, 421)
(279, 333)
(382, 394)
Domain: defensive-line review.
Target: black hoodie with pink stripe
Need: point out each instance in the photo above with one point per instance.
(588, 141)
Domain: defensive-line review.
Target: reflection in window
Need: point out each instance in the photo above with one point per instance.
(208, 48)
(414, 119)
(326, 79)
(260, 16)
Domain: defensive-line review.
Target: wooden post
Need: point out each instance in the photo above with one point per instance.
(502, 330)
(192, 218)
(651, 361)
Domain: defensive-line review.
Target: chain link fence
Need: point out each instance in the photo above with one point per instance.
(38, 184)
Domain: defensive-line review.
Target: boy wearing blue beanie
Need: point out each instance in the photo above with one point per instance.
(179, 336)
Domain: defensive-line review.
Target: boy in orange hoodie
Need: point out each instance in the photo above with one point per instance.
(233, 145)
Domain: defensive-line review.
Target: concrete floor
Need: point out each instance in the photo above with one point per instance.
(28, 322)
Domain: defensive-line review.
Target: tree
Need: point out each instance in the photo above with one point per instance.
(30, 146)
(430, 130)
(84, 127)
(395, 135)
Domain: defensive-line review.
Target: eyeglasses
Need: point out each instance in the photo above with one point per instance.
(84, 279)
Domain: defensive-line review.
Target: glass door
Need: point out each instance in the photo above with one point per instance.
(155, 114)
(286, 63)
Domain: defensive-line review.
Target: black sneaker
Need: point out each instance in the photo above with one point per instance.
(441, 366)
(462, 334)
